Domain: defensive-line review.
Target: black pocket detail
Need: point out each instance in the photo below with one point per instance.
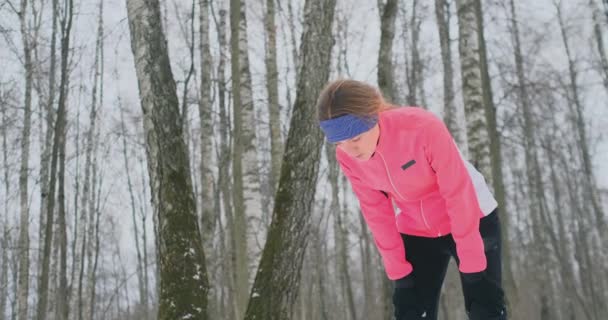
(408, 164)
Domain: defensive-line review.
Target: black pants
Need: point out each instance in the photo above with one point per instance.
(430, 257)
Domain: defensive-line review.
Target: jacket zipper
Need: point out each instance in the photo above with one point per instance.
(399, 194)
(389, 176)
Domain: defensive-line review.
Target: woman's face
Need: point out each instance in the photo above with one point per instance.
(361, 147)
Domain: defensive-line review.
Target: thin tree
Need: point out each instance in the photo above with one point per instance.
(208, 188)
(386, 79)
(276, 284)
(24, 237)
(58, 140)
(599, 40)
(495, 146)
(386, 83)
(272, 88)
(340, 234)
(450, 110)
(183, 274)
(5, 241)
(224, 181)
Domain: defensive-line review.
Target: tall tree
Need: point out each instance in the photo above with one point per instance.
(206, 135)
(415, 82)
(183, 274)
(244, 165)
(386, 83)
(472, 91)
(276, 284)
(599, 40)
(340, 234)
(224, 179)
(59, 135)
(210, 207)
(386, 79)
(272, 87)
(495, 145)
(5, 241)
(450, 113)
(24, 237)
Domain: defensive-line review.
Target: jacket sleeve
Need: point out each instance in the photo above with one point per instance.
(379, 214)
(456, 187)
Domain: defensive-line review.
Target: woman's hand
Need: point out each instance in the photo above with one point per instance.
(487, 298)
(405, 300)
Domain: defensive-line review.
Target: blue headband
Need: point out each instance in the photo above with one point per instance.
(346, 127)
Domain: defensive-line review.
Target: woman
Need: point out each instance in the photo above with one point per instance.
(406, 156)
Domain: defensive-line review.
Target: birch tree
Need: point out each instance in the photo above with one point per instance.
(472, 91)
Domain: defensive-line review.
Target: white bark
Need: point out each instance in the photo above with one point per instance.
(468, 46)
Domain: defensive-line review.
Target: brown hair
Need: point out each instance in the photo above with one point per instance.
(347, 96)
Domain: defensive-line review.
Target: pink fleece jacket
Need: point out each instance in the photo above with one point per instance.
(418, 166)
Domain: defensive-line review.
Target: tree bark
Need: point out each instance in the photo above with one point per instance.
(450, 117)
(472, 90)
(58, 140)
(24, 236)
(341, 237)
(272, 88)
(599, 39)
(5, 229)
(183, 275)
(240, 254)
(224, 168)
(210, 207)
(275, 288)
(386, 79)
(495, 149)
(386, 83)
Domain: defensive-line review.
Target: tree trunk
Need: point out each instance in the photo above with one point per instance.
(495, 149)
(62, 292)
(276, 284)
(5, 229)
(416, 83)
(58, 140)
(450, 115)
(472, 91)
(386, 80)
(209, 208)
(606, 9)
(242, 108)
(599, 39)
(224, 168)
(386, 83)
(183, 275)
(366, 269)
(139, 263)
(341, 237)
(48, 138)
(24, 236)
(272, 86)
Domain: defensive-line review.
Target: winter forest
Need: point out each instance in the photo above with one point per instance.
(162, 159)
